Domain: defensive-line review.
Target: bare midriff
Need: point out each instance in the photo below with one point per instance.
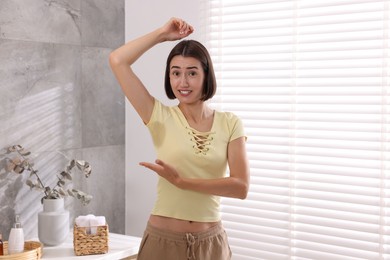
(178, 225)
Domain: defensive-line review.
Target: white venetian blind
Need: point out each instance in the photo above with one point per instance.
(310, 80)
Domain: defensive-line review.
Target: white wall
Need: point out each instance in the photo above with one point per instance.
(142, 17)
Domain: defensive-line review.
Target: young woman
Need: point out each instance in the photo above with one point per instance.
(194, 145)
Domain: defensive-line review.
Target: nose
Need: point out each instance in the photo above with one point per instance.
(183, 80)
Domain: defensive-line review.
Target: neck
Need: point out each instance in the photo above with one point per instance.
(196, 112)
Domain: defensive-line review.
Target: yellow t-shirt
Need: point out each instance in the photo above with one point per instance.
(194, 154)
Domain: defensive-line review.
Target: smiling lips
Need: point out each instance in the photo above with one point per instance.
(185, 92)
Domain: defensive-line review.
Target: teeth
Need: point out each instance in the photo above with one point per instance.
(185, 92)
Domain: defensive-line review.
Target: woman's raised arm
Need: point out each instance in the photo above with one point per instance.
(122, 58)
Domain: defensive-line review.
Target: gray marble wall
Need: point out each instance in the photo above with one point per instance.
(59, 99)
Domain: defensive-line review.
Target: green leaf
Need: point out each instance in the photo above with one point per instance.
(86, 199)
(72, 163)
(61, 183)
(53, 196)
(80, 164)
(25, 163)
(66, 175)
(13, 148)
(18, 169)
(24, 152)
(70, 166)
(30, 184)
(62, 192)
(70, 192)
(37, 186)
(87, 170)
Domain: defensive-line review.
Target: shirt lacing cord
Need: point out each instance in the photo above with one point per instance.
(191, 239)
(201, 140)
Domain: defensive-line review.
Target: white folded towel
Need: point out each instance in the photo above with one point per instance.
(82, 221)
(95, 222)
(91, 222)
(98, 221)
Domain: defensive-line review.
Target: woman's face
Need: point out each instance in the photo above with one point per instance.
(186, 76)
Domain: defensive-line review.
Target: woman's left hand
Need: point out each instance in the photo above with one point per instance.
(164, 170)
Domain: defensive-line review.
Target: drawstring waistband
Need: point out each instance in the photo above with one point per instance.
(191, 239)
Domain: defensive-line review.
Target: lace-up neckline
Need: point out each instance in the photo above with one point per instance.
(202, 140)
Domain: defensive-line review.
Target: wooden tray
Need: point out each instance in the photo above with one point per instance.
(32, 251)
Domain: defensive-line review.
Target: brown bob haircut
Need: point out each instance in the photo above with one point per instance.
(194, 49)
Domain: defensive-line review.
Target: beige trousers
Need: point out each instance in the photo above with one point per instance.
(159, 244)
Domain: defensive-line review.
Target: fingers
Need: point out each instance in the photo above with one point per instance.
(183, 26)
(159, 162)
(176, 29)
(164, 170)
(157, 166)
(150, 166)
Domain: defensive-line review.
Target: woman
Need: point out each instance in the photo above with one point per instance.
(194, 145)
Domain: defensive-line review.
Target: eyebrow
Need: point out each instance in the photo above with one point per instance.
(189, 68)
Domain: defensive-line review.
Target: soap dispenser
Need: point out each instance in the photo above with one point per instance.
(16, 238)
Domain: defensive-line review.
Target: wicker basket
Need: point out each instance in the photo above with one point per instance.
(32, 251)
(88, 244)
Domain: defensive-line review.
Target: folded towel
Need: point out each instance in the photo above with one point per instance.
(90, 222)
(95, 222)
(98, 221)
(82, 221)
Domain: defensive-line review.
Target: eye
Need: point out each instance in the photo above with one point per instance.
(175, 73)
(192, 73)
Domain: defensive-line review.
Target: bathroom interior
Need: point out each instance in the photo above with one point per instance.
(59, 99)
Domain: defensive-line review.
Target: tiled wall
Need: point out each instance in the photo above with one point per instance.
(58, 97)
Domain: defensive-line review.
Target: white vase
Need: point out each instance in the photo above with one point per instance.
(53, 222)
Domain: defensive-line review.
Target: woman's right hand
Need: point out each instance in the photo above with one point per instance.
(176, 29)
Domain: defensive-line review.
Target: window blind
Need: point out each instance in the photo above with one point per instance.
(310, 80)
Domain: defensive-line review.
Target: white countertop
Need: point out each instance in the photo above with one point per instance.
(119, 246)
